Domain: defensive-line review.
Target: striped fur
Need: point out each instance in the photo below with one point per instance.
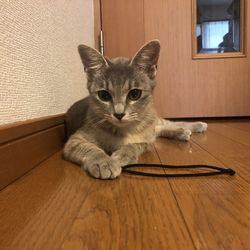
(99, 141)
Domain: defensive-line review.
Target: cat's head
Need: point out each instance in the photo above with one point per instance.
(121, 88)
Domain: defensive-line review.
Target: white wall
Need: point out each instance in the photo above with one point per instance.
(40, 70)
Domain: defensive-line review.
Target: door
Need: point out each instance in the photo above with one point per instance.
(186, 87)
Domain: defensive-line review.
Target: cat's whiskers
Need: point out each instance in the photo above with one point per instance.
(132, 116)
(108, 116)
(142, 124)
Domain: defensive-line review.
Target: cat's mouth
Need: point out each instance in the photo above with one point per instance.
(125, 121)
(120, 123)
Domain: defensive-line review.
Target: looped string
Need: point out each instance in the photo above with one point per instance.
(219, 170)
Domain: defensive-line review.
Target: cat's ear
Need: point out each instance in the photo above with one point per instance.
(93, 61)
(147, 57)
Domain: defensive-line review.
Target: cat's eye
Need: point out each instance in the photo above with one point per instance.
(104, 95)
(134, 94)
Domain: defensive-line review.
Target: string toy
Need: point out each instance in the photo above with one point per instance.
(217, 170)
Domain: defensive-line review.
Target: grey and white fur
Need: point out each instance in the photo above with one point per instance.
(117, 122)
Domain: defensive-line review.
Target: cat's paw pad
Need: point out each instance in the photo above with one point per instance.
(183, 134)
(102, 167)
(199, 127)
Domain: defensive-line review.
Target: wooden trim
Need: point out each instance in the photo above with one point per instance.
(243, 25)
(17, 130)
(193, 28)
(27, 144)
(243, 41)
(222, 55)
(97, 22)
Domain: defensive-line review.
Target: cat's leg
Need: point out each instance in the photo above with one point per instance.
(195, 127)
(128, 154)
(178, 130)
(173, 133)
(93, 159)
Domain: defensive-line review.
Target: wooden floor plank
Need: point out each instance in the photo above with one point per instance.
(216, 209)
(37, 211)
(188, 153)
(242, 125)
(129, 213)
(217, 221)
(228, 151)
(231, 132)
(57, 205)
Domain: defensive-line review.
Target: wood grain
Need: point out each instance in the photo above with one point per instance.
(58, 206)
(242, 125)
(227, 151)
(21, 155)
(37, 211)
(216, 222)
(129, 213)
(186, 87)
(235, 134)
(214, 218)
(17, 130)
(193, 88)
(123, 27)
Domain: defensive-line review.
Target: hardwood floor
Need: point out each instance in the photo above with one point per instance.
(58, 206)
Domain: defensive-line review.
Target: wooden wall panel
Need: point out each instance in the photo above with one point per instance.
(186, 87)
(123, 27)
(193, 88)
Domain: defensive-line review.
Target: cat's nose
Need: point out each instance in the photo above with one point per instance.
(119, 116)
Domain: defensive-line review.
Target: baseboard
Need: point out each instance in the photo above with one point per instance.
(18, 130)
(219, 119)
(25, 145)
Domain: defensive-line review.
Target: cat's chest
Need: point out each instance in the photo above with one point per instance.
(111, 142)
(139, 137)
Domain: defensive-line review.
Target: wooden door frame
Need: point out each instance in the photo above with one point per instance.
(97, 21)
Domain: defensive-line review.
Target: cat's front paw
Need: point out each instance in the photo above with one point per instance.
(123, 158)
(102, 166)
(199, 127)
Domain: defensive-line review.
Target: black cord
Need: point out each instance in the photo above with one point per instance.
(219, 170)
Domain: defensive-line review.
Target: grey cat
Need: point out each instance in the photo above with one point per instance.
(117, 122)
